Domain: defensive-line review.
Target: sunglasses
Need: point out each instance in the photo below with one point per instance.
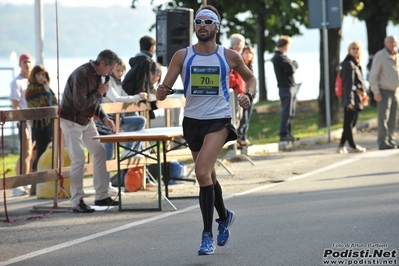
(355, 48)
(207, 22)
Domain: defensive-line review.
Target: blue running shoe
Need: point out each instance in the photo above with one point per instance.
(207, 245)
(224, 228)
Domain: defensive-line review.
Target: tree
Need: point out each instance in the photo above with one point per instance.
(377, 14)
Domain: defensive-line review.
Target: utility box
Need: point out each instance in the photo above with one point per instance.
(333, 13)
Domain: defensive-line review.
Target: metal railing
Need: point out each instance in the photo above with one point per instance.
(10, 129)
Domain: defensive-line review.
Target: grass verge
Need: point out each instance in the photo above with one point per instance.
(264, 127)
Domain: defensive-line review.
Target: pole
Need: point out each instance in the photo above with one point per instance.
(39, 29)
(204, 2)
(326, 69)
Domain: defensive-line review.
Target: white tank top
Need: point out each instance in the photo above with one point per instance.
(206, 84)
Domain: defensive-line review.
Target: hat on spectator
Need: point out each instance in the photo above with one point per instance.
(24, 57)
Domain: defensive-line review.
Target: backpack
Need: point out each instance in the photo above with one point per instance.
(339, 87)
(137, 77)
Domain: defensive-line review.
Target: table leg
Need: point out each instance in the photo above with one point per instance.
(119, 176)
(165, 167)
(159, 176)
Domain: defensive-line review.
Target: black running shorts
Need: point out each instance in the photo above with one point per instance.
(195, 130)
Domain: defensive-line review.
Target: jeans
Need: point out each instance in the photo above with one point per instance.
(288, 106)
(130, 123)
(244, 123)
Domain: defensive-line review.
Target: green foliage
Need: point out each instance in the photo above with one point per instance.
(281, 17)
(387, 8)
(9, 163)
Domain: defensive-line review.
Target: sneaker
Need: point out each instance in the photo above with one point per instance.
(82, 208)
(125, 153)
(138, 156)
(150, 184)
(223, 228)
(358, 149)
(19, 191)
(113, 191)
(207, 244)
(342, 150)
(106, 202)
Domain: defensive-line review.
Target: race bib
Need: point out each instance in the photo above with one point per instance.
(205, 80)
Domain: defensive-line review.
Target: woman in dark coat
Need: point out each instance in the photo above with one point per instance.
(354, 96)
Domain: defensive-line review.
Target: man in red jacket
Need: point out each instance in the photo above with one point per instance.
(237, 42)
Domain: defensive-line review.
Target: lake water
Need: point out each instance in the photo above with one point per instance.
(308, 74)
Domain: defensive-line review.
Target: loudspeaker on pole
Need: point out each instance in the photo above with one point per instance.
(174, 29)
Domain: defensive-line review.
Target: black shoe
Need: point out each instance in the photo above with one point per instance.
(82, 208)
(106, 202)
(294, 137)
(287, 138)
(386, 147)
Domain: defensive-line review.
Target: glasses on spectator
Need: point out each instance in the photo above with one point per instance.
(355, 48)
(206, 22)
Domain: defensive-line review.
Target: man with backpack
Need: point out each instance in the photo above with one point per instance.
(137, 79)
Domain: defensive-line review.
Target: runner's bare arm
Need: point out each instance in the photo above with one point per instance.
(174, 70)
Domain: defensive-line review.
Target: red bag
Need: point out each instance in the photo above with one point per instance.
(134, 178)
(339, 88)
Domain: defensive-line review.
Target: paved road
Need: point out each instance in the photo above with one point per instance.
(292, 208)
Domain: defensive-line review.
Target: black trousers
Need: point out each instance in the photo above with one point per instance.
(42, 136)
(350, 120)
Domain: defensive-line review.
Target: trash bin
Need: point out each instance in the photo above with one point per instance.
(46, 190)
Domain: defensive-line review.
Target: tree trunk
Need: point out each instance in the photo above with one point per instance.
(260, 29)
(334, 45)
(376, 26)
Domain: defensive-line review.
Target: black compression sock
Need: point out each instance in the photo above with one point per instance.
(207, 202)
(219, 203)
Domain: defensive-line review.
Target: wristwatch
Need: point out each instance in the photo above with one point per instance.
(250, 96)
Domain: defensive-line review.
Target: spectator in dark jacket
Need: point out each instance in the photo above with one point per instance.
(352, 95)
(284, 68)
(137, 79)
